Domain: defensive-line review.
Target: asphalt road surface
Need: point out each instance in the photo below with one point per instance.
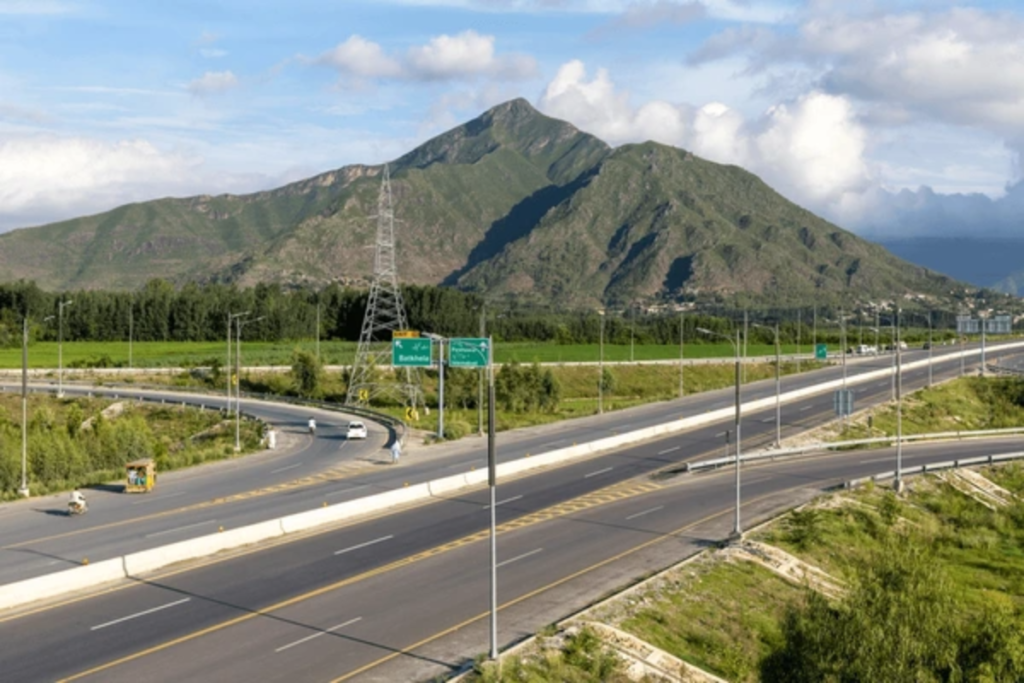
(306, 473)
(366, 600)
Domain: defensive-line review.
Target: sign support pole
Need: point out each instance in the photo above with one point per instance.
(492, 480)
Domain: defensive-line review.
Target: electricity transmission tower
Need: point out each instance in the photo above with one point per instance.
(371, 377)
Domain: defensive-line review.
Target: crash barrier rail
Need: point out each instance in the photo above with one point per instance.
(53, 585)
(935, 467)
(771, 454)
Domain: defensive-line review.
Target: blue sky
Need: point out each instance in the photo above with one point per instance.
(891, 118)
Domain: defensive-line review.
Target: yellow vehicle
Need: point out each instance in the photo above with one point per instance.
(141, 476)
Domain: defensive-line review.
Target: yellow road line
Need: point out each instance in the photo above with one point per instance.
(615, 492)
(538, 591)
(337, 473)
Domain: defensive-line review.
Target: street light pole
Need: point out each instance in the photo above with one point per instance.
(23, 491)
(238, 378)
(131, 328)
(480, 380)
(737, 531)
(228, 367)
(778, 384)
(681, 351)
(600, 366)
(798, 326)
(492, 481)
(318, 330)
(899, 410)
(60, 347)
(632, 329)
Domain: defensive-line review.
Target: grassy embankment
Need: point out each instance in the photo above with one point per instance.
(964, 404)
(727, 617)
(69, 443)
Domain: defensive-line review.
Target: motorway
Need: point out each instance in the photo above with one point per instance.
(402, 596)
(305, 473)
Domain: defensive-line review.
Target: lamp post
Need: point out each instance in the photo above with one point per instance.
(632, 329)
(899, 408)
(778, 384)
(929, 319)
(231, 318)
(799, 324)
(600, 366)
(318, 330)
(480, 379)
(238, 378)
(737, 531)
(60, 346)
(131, 328)
(681, 350)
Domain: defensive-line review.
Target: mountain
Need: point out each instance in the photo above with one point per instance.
(512, 202)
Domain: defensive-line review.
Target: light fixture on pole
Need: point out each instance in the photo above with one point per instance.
(778, 384)
(737, 531)
(60, 346)
(131, 328)
(600, 367)
(929, 319)
(681, 349)
(480, 378)
(632, 329)
(228, 368)
(899, 408)
(238, 377)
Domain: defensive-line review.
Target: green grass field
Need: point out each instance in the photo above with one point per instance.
(190, 354)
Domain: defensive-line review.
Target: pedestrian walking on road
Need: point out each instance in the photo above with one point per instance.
(396, 451)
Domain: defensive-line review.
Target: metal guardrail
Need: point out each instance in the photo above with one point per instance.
(398, 427)
(935, 467)
(771, 454)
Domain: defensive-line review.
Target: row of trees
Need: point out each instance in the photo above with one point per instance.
(160, 312)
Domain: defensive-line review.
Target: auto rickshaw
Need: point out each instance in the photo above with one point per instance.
(141, 476)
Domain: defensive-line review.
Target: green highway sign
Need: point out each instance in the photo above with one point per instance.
(821, 351)
(411, 353)
(469, 352)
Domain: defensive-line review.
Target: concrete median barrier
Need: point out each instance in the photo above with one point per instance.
(146, 561)
(61, 583)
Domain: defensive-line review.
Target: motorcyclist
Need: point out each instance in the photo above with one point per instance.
(312, 426)
(77, 500)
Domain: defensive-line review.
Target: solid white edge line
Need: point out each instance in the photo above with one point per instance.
(502, 502)
(594, 474)
(332, 629)
(139, 614)
(669, 450)
(518, 557)
(180, 528)
(363, 545)
(283, 469)
(806, 408)
(645, 512)
(348, 490)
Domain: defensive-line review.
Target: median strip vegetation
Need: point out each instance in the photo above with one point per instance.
(933, 590)
(81, 442)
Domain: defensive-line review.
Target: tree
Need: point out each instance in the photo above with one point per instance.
(307, 372)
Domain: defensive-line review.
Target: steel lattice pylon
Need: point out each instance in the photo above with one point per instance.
(371, 373)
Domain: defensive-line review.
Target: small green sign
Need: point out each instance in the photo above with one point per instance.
(469, 352)
(411, 353)
(821, 351)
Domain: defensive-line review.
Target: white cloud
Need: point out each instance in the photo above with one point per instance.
(361, 58)
(811, 149)
(54, 177)
(213, 83)
(464, 56)
(731, 10)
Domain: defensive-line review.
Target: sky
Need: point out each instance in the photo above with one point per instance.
(892, 119)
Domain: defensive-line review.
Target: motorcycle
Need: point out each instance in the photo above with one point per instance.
(75, 508)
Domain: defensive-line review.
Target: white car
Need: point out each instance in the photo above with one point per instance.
(356, 430)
